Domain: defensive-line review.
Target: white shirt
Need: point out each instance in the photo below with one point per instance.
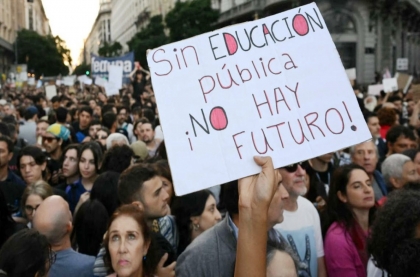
(302, 230)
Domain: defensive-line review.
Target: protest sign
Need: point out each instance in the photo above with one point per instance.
(100, 66)
(114, 83)
(375, 89)
(100, 81)
(390, 84)
(351, 73)
(273, 87)
(69, 80)
(416, 92)
(31, 81)
(84, 80)
(50, 91)
(404, 81)
(402, 64)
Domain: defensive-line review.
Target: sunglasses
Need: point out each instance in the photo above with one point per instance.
(293, 167)
(48, 139)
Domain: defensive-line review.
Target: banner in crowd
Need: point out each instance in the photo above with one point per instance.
(100, 66)
(272, 87)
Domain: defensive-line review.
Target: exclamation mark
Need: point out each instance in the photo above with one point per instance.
(190, 142)
(353, 127)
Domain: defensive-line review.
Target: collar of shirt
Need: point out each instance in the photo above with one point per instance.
(233, 226)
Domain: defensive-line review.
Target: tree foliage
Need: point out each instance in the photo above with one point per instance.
(110, 50)
(152, 36)
(191, 18)
(81, 69)
(46, 55)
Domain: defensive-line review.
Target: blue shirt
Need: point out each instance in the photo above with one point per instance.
(74, 191)
(69, 263)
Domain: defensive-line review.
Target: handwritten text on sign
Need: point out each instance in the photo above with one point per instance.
(274, 87)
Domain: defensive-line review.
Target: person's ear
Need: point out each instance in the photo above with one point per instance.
(43, 166)
(60, 141)
(195, 220)
(396, 183)
(342, 197)
(138, 204)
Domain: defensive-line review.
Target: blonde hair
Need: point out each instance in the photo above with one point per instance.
(40, 188)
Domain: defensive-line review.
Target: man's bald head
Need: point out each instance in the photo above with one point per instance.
(53, 219)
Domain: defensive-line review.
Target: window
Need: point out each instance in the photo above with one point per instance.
(31, 17)
(340, 23)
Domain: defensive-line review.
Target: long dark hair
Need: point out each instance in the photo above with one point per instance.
(337, 211)
(6, 221)
(96, 151)
(183, 209)
(105, 190)
(26, 254)
(37, 154)
(90, 225)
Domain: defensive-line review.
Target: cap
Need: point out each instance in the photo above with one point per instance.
(31, 111)
(122, 131)
(59, 131)
(140, 149)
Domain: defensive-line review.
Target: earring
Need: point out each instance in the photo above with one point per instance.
(196, 226)
(144, 257)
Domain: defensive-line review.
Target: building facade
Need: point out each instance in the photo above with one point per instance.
(35, 18)
(14, 16)
(123, 21)
(100, 32)
(368, 35)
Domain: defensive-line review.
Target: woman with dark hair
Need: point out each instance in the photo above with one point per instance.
(118, 158)
(90, 158)
(350, 212)
(394, 242)
(194, 213)
(90, 225)
(26, 254)
(127, 228)
(7, 225)
(105, 190)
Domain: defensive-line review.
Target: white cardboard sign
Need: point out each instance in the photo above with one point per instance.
(273, 87)
(402, 64)
(69, 80)
(390, 84)
(351, 73)
(375, 89)
(50, 91)
(99, 81)
(115, 75)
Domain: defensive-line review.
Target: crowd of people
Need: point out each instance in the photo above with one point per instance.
(86, 190)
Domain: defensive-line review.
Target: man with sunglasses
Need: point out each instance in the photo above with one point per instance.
(54, 140)
(301, 226)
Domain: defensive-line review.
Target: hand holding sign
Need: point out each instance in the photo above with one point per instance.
(253, 89)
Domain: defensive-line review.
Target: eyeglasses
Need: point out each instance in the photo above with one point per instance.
(293, 167)
(52, 257)
(48, 139)
(30, 210)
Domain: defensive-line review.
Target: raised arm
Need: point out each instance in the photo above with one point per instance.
(255, 195)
